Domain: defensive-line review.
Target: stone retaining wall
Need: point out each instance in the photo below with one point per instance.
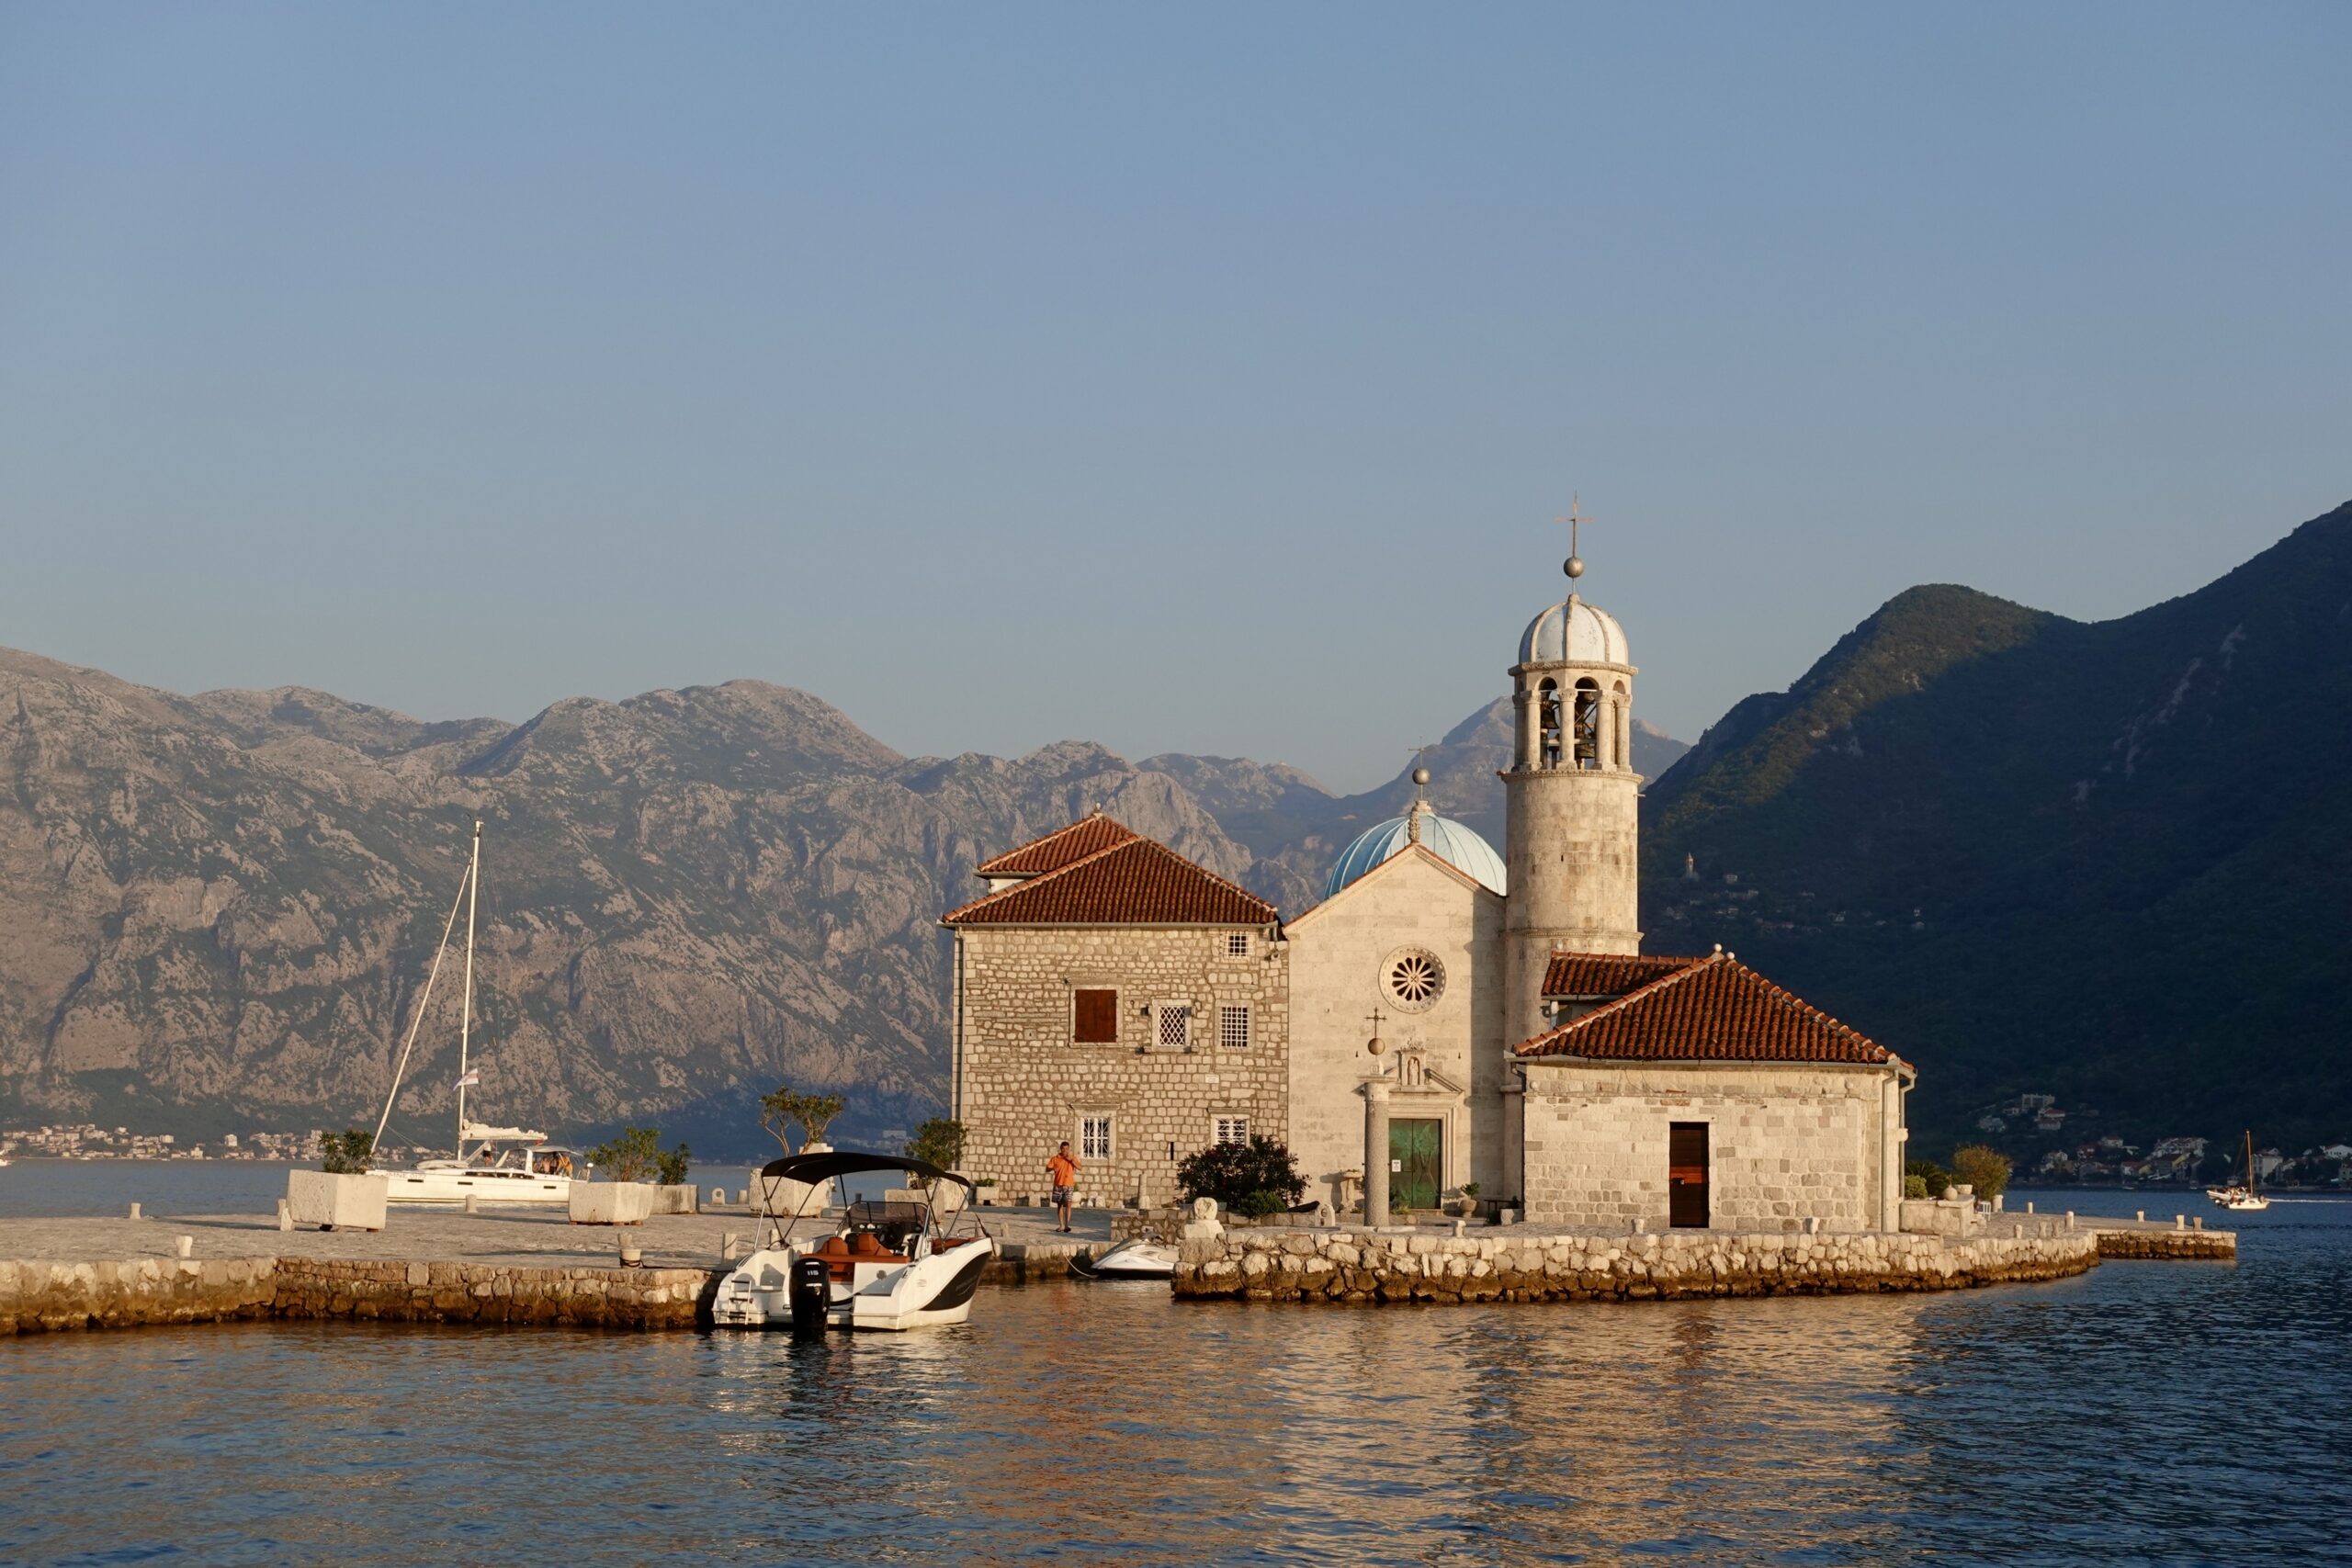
(37, 1297)
(2168, 1244)
(1395, 1265)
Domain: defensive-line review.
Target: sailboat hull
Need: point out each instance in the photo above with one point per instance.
(451, 1188)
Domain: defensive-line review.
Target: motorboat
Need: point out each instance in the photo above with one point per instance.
(2245, 1199)
(886, 1266)
(1139, 1259)
(503, 1165)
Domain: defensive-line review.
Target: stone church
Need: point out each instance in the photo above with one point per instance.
(1479, 1020)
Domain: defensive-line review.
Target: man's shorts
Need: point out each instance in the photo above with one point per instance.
(1064, 1195)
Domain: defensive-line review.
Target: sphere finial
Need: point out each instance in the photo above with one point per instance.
(1573, 565)
(1422, 776)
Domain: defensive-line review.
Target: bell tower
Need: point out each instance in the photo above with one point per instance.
(1574, 799)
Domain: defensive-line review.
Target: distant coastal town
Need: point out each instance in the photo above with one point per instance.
(88, 1141)
(2032, 1129)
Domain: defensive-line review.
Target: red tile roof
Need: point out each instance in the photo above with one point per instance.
(1716, 1009)
(1606, 973)
(1082, 838)
(1137, 881)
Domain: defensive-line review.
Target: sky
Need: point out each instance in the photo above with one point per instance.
(1199, 379)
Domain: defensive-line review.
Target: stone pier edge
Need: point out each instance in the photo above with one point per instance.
(37, 1296)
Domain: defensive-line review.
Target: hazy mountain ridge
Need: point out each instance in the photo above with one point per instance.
(217, 909)
(2033, 853)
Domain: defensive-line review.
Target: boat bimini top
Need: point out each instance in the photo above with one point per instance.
(894, 1222)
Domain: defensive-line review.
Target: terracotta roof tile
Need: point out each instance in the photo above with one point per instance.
(1136, 882)
(1058, 848)
(1716, 1009)
(1606, 973)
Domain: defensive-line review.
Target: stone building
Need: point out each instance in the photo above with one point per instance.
(1482, 1021)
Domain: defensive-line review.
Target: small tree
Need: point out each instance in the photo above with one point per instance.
(785, 1107)
(632, 1156)
(670, 1168)
(1983, 1168)
(1935, 1178)
(1234, 1173)
(939, 1142)
(347, 1153)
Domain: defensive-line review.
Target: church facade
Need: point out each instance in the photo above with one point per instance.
(1484, 1022)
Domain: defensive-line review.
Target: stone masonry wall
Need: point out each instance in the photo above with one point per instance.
(1378, 1267)
(1022, 1083)
(1785, 1144)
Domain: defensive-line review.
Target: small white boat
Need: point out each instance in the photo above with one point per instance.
(1139, 1259)
(888, 1265)
(2245, 1199)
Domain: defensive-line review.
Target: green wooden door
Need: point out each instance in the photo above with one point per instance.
(1416, 1164)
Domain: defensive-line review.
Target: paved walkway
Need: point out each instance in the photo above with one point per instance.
(520, 1236)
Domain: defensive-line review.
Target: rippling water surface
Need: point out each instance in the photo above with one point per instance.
(2177, 1413)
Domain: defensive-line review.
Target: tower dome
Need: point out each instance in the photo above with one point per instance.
(1449, 841)
(1573, 632)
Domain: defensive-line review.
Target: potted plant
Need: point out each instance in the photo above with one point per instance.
(342, 1195)
(1469, 1199)
(785, 1107)
(631, 1162)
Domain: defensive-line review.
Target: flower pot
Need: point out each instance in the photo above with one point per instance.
(336, 1202)
(611, 1202)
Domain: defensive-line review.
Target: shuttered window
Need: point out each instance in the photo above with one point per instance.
(1097, 1020)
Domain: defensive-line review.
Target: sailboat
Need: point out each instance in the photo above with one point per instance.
(507, 1165)
(2248, 1197)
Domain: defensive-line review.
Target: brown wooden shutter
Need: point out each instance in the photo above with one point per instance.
(1098, 1018)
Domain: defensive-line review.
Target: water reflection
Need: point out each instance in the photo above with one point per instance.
(2102, 1418)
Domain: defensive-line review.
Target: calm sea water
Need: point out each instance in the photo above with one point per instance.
(2145, 1413)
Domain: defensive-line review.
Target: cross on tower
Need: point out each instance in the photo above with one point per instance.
(1576, 520)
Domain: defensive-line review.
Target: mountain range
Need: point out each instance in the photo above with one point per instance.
(2104, 861)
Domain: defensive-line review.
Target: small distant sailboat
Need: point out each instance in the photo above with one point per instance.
(508, 1165)
(2245, 1198)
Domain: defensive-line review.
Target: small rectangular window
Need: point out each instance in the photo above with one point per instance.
(1231, 1129)
(1094, 1137)
(1095, 1020)
(1233, 1028)
(1237, 945)
(1174, 1022)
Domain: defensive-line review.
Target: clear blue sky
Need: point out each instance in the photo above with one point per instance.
(1185, 379)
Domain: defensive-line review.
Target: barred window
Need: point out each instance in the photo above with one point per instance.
(1237, 945)
(1231, 1130)
(1094, 1137)
(1233, 1028)
(1175, 1026)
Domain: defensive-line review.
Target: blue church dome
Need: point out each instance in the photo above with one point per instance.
(1450, 841)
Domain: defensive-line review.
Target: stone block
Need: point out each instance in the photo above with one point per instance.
(335, 1202)
(611, 1202)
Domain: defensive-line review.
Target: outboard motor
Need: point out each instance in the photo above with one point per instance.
(812, 1293)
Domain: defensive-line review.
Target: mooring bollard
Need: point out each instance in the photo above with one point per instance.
(1461, 1228)
(727, 1240)
(2199, 1221)
(134, 1211)
(185, 1245)
(2070, 1219)
(718, 1196)
(2180, 1222)
(469, 1203)
(2141, 1215)
(285, 1216)
(1639, 1224)
(742, 1195)
(632, 1256)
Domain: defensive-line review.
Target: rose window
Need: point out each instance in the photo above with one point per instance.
(1413, 978)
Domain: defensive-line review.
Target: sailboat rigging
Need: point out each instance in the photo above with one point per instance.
(2248, 1197)
(531, 1171)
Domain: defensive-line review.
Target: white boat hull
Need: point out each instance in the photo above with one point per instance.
(929, 1293)
(452, 1188)
(1136, 1259)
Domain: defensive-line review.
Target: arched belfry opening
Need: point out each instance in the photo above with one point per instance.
(1587, 739)
(1548, 725)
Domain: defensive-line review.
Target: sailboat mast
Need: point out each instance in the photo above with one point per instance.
(466, 1014)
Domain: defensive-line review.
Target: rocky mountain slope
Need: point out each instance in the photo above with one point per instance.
(216, 912)
(2105, 861)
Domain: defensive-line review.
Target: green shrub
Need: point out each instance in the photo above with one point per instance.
(634, 1156)
(786, 1107)
(1915, 1186)
(1935, 1176)
(1232, 1173)
(1258, 1205)
(670, 1169)
(347, 1153)
(1983, 1168)
(939, 1142)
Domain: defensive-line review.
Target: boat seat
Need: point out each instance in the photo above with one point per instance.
(843, 1254)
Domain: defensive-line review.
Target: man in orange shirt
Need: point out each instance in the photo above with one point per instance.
(1062, 1170)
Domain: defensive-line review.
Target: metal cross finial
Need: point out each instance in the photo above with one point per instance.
(1376, 1045)
(1576, 520)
